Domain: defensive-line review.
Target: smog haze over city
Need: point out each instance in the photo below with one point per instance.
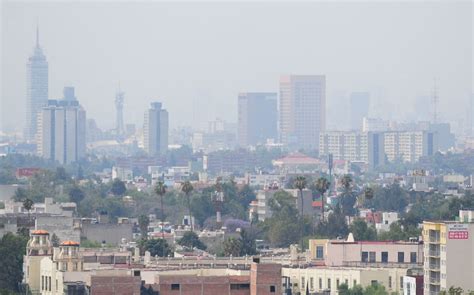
(237, 147)
(196, 57)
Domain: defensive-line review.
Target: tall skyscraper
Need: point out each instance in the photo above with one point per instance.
(155, 129)
(257, 117)
(36, 88)
(62, 129)
(302, 110)
(119, 98)
(359, 108)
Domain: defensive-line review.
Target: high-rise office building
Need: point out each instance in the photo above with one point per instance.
(62, 129)
(36, 89)
(302, 110)
(155, 129)
(359, 108)
(257, 117)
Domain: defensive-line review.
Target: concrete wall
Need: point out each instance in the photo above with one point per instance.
(110, 233)
(121, 285)
(62, 226)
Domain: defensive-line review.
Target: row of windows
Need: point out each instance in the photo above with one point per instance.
(371, 257)
(320, 283)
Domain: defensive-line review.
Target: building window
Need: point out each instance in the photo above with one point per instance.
(401, 257)
(373, 282)
(311, 283)
(347, 282)
(365, 256)
(329, 284)
(320, 283)
(384, 257)
(401, 283)
(57, 285)
(413, 257)
(49, 283)
(302, 282)
(272, 289)
(390, 282)
(42, 282)
(175, 287)
(240, 286)
(354, 283)
(337, 283)
(319, 252)
(371, 256)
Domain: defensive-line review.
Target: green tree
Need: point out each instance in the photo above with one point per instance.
(347, 196)
(232, 246)
(28, 205)
(118, 187)
(362, 232)
(300, 185)
(55, 240)
(335, 226)
(248, 243)
(143, 222)
(158, 247)
(187, 188)
(160, 190)
(191, 240)
(76, 194)
(12, 249)
(322, 185)
(20, 194)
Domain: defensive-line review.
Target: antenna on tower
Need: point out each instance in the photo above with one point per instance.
(37, 33)
(434, 101)
(119, 100)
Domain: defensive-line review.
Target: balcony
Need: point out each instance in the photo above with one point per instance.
(434, 266)
(434, 281)
(434, 253)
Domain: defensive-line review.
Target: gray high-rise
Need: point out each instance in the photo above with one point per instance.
(359, 108)
(155, 129)
(36, 89)
(302, 110)
(257, 117)
(62, 129)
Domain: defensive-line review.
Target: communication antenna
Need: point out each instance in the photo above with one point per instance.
(434, 101)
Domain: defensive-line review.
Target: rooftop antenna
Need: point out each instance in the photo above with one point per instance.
(434, 101)
(37, 33)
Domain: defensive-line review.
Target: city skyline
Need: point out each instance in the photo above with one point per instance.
(96, 82)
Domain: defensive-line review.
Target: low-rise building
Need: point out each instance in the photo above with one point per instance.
(366, 253)
(326, 280)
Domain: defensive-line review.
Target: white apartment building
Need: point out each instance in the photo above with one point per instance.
(353, 146)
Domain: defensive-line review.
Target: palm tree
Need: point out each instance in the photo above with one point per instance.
(368, 193)
(300, 185)
(322, 185)
(28, 205)
(187, 188)
(160, 189)
(143, 222)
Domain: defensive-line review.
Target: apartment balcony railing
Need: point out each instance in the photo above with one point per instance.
(434, 266)
(434, 281)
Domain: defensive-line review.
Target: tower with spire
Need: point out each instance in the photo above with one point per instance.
(36, 88)
(119, 99)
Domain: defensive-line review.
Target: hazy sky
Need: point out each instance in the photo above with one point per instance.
(195, 57)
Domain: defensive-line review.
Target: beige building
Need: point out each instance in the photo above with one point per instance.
(328, 279)
(261, 207)
(302, 110)
(449, 254)
(366, 253)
